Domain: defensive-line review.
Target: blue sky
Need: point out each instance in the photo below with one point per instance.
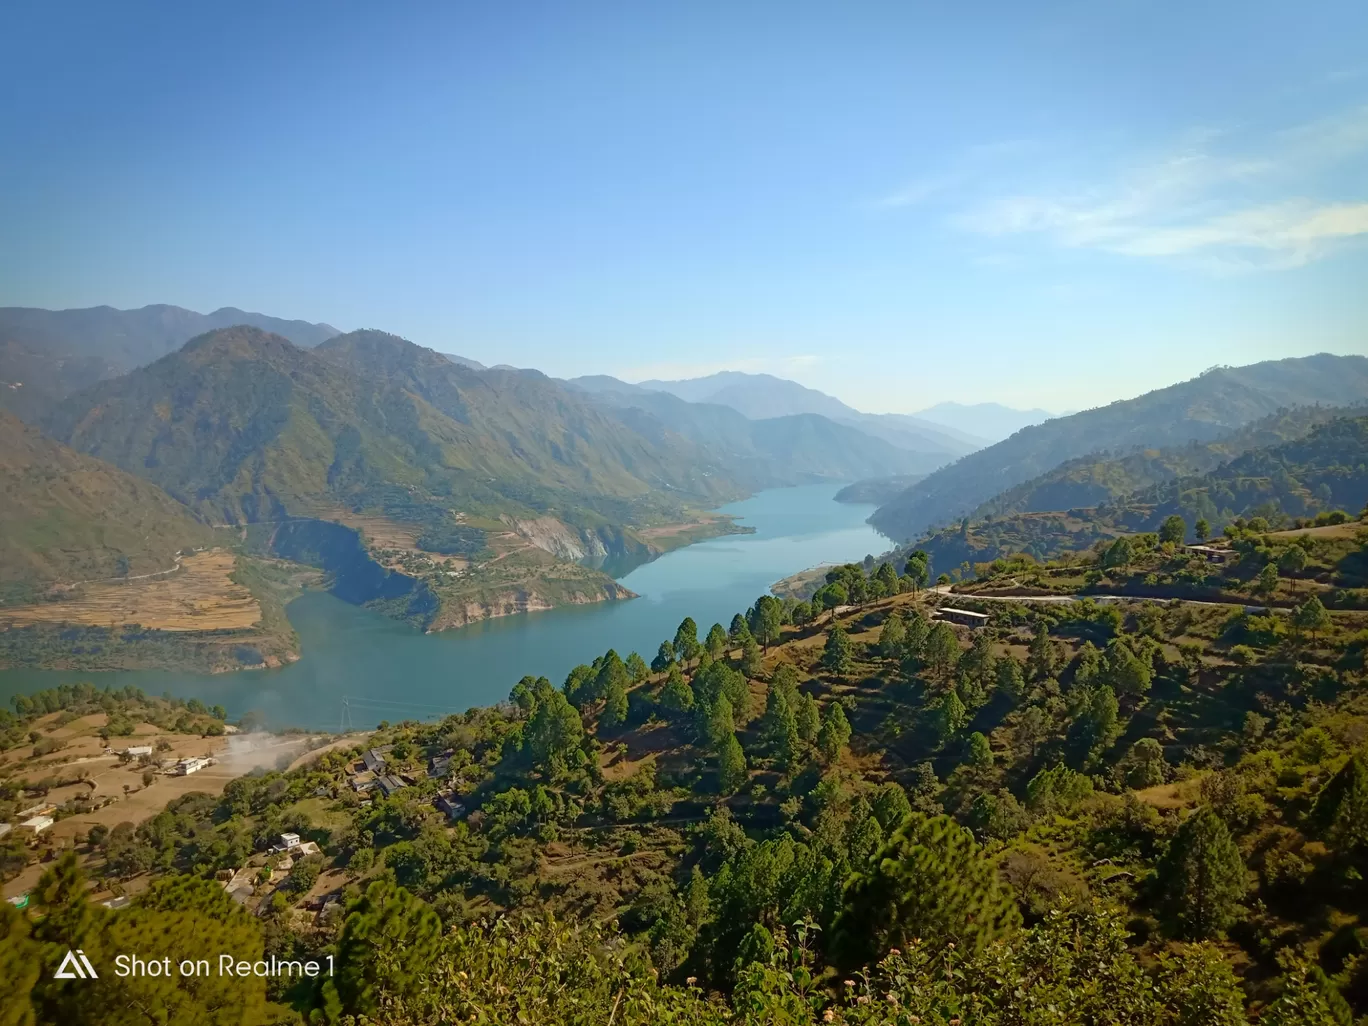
(1053, 204)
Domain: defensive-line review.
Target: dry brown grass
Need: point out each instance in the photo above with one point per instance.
(200, 596)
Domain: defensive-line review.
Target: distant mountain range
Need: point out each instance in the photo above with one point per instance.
(989, 421)
(763, 453)
(1202, 409)
(47, 354)
(762, 396)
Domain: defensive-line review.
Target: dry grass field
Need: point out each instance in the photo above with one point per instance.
(199, 596)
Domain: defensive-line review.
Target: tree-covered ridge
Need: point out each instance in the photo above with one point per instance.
(1202, 409)
(1099, 478)
(244, 426)
(1145, 810)
(1296, 480)
(66, 517)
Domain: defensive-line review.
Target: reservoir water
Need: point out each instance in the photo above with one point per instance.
(390, 671)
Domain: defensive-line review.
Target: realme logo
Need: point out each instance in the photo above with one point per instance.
(75, 967)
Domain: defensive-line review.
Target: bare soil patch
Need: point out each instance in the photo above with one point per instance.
(199, 596)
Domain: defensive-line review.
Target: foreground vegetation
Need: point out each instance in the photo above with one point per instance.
(841, 810)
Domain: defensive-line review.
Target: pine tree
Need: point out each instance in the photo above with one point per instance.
(686, 646)
(676, 695)
(809, 718)
(731, 766)
(614, 713)
(637, 668)
(892, 636)
(1340, 814)
(941, 650)
(1311, 617)
(716, 642)
(752, 662)
(929, 883)
(1202, 877)
(980, 751)
(388, 944)
(834, 733)
(664, 657)
(739, 631)
(952, 715)
(1126, 672)
(839, 654)
(1042, 659)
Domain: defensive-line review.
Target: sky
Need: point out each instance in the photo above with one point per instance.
(1055, 204)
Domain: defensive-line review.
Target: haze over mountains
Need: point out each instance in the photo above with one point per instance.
(243, 425)
(1201, 409)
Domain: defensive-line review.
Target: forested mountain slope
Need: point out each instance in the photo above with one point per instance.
(68, 517)
(1100, 477)
(1323, 471)
(765, 453)
(243, 425)
(1201, 409)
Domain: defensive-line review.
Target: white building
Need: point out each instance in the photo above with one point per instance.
(289, 841)
(37, 824)
(138, 750)
(187, 766)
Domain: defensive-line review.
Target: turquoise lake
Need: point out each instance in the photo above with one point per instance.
(388, 670)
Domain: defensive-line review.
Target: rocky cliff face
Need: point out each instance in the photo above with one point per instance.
(559, 539)
(522, 600)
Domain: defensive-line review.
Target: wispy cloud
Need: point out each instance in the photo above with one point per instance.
(1266, 207)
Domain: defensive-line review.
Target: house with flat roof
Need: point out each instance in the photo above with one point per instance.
(1209, 552)
(964, 617)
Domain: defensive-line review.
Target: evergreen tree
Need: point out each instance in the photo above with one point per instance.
(809, 718)
(980, 751)
(385, 953)
(716, 642)
(731, 766)
(1173, 530)
(929, 884)
(752, 662)
(1126, 672)
(890, 805)
(614, 713)
(637, 668)
(665, 655)
(739, 631)
(834, 733)
(952, 715)
(917, 629)
(892, 636)
(1042, 660)
(686, 646)
(21, 962)
(1202, 877)
(554, 730)
(1009, 678)
(720, 723)
(766, 619)
(1087, 670)
(1311, 617)
(941, 650)
(839, 654)
(1202, 529)
(1340, 814)
(676, 695)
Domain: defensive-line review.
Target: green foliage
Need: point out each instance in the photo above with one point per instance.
(386, 951)
(1340, 814)
(839, 653)
(1202, 877)
(929, 883)
(731, 766)
(834, 734)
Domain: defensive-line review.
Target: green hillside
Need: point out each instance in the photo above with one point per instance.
(67, 517)
(1100, 477)
(244, 426)
(1323, 471)
(1203, 409)
(1135, 814)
